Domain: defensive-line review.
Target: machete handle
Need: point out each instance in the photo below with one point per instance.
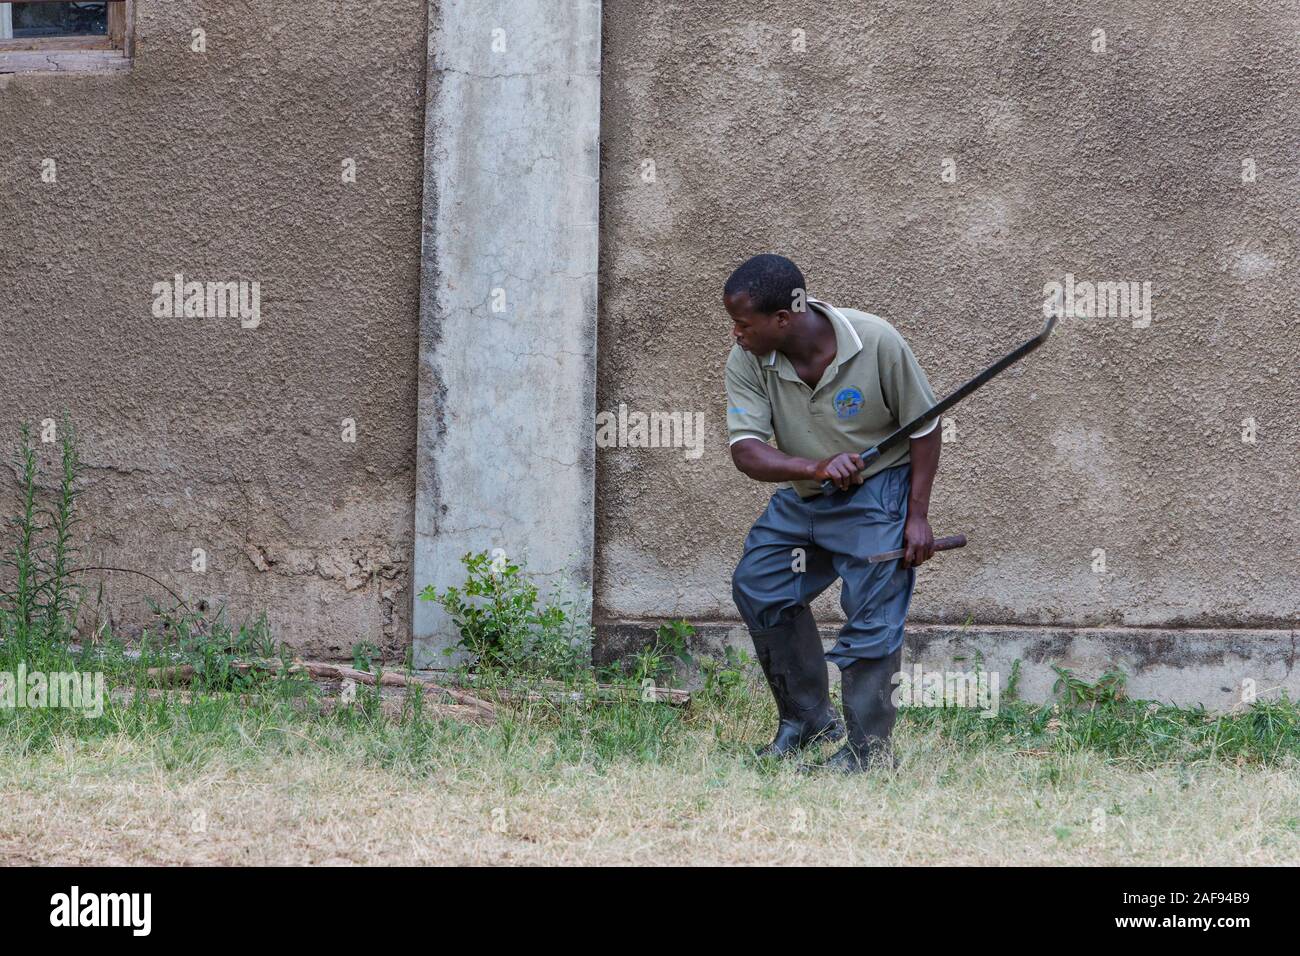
(940, 544)
(867, 457)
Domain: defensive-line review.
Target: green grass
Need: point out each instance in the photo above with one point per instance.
(1139, 734)
(581, 780)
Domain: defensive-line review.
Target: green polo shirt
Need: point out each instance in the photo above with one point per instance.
(873, 385)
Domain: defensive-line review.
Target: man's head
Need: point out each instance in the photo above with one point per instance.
(762, 297)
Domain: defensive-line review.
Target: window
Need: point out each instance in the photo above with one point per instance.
(61, 37)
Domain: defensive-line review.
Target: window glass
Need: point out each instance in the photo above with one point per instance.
(34, 20)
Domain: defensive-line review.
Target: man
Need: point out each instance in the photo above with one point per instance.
(824, 384)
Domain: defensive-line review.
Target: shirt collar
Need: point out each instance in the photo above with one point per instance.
(846, 336)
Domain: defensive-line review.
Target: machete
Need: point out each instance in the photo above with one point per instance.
(940, 544)
(905, 432)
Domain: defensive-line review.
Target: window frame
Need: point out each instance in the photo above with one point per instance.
(106, 53)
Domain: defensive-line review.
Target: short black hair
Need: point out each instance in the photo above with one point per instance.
(769, 280)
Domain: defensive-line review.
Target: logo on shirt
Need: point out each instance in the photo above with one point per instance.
(848, 402)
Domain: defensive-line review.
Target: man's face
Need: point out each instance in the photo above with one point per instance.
(756, 332)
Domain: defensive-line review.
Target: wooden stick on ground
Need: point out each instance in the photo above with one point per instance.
(390, 706)
(545, 690)
(321, 670)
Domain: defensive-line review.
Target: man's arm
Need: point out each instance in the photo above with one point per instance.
(762, 462)
(907, 392)
(918, 539)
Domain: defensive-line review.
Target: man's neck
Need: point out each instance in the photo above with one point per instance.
(813, 337)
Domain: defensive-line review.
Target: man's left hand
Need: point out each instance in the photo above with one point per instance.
(918, 541)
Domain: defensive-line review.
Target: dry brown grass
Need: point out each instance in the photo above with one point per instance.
(112, 802)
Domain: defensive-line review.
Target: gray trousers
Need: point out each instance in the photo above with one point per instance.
(797, 548)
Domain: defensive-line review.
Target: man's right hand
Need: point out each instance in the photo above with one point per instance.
(843, 470)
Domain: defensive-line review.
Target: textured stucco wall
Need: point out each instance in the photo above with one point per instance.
(1125, 165)
(197, 432)
(1117, 166)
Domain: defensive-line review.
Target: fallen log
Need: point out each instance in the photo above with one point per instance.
(541, 691)
(168, 676)
(389, 706)
(322, 670)
(185, 673)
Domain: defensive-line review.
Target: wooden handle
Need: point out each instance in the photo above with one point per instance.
(940, 544)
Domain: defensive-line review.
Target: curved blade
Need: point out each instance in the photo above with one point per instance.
(904, 433)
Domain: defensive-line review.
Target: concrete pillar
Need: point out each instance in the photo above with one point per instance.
(506, 445)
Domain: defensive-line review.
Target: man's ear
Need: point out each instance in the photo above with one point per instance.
(783, 317)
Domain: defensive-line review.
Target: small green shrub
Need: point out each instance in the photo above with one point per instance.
(364, 654)
(1108, 689)
(657, 662)
(507, 627)
(728, 677)
(216, 649)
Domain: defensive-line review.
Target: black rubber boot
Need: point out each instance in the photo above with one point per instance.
(867, 686)
(791, 657)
